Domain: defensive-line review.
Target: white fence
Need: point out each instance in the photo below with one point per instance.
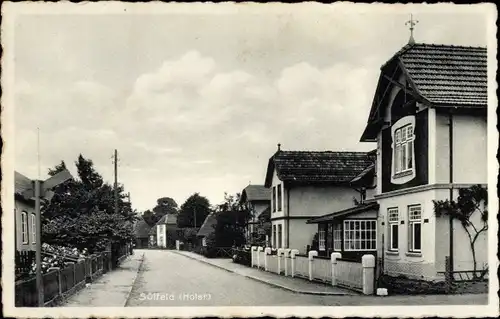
(354, 275)
(349, 274)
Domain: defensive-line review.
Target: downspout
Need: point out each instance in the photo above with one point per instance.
(451, 183)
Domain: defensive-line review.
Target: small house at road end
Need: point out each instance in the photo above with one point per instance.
(306, 184)
(165, 232)
(428, 118)
(256, 199)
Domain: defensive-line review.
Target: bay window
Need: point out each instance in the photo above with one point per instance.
(393, 222)
(274, 198)
(274, 236)
(415, 228)
(360, 235)
(280, 233)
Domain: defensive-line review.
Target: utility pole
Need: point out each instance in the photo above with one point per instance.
(116, 181)
(38, 247)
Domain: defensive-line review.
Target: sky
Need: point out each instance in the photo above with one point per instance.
(197, 102)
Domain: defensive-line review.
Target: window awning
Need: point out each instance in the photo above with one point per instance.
(343, 213)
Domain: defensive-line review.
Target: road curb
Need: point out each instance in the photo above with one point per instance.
(133, 282)
(304, 292)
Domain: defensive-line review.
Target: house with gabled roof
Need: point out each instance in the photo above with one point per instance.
(165, 232)
(141, 231)
(256, 199)
(428, 118)
(24, 211)
(207, 228)
(307, 184)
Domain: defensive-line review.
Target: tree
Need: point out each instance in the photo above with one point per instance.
(471, 201)
(82, 214)
(165, 205)
(57, 169)
(232, 219)
(149, 217)
(195, 204)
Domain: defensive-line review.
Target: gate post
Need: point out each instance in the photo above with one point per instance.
(333, 260)
(293, 252)
(311, 256)
(259, 249)
(286, 254)
(267, 253)
(279, 254)
(368, 262)
(254, 251)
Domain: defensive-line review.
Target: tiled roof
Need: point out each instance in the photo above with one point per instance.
(344, 213)
(21, 183)
(369, 170)
(169, 219)
(318, 167)
(446, 74)
(208, 225)
(141, 229)
(256, 193)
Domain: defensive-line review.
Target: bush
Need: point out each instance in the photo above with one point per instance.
(242, 256)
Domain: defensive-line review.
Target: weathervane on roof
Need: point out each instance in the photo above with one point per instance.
(412, 24)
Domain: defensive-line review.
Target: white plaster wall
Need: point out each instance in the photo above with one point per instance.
(403, 262)
(276, 181)
(320, 200)
(469, 149)
(301, 234)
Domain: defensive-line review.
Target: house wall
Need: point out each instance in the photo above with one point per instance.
(469, 149)
(276, 181)
(21, 206)
(462, 252)
(320, 200)
(301, 234)
(419, 266)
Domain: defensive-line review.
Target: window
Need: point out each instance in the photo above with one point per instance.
(321, 239)
(415, 228)
(279, 198)
(279, 236)
(33, 228)
(24, 227)
(360, 235)
(274, 236)
(337, 237)
(393, 222)
(274, 198)
(403, 149)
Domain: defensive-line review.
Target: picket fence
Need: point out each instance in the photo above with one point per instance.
(58, 283)
(358, 276)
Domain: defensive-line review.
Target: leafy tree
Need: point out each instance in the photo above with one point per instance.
(471, 201)
(82, 212)
(232, 219)
(150, 218)
(165, 205)
(57, 169)
(195, 204)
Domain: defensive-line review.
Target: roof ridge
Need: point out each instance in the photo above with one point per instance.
(449, 45)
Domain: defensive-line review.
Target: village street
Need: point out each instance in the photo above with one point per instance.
(167, 278)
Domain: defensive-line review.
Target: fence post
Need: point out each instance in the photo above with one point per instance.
(293, 252)
(259, 249)
(286, 254)
(267, 252)
(253, 257)
(311, 256)
(368, 262)
(279, 254)
(333, 259)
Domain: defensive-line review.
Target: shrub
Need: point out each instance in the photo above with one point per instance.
(403, 285)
